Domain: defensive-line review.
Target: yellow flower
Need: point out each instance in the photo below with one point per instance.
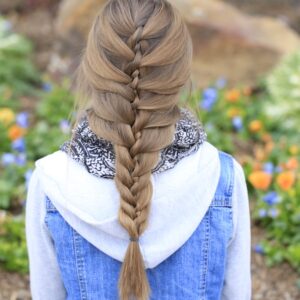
(260, 180)
(292, 193)
(233, 95)
(285, 180)
(6, 115)
(255, 126)
(15, 132)
(233, 112)
(294, 149)
(259, 153)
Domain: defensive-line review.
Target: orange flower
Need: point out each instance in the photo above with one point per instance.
(285, 180)
(269, 146)
(6, 115)
(232, 95)
(260, 180)
(15, 132)
(255, 126)
(292, 163)
(266, 137)
(257, 166)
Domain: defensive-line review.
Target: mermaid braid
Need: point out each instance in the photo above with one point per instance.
(137, 59)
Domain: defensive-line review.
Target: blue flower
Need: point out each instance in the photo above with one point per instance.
(273, 212)
(22, 119)
(7, 26)
(23, 202)
(262, 213)
(207, 104)
(259, 249)
(209, 97)
(27, 177)
(271, 198)
(268, 167)
(237, 123)
(8, 159)
(18, 145)
(209, 126)
(278, 169)
(21, 159)
(65, 126)
(221, 83)
(210, 93)
(47, 87)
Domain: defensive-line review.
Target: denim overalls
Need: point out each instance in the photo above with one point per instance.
(194, 272)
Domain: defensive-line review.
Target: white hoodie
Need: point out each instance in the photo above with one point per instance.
(90, 205)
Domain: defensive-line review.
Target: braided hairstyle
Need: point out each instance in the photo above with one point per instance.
(137, 59)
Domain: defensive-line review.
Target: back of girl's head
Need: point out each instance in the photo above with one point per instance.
(137, 59)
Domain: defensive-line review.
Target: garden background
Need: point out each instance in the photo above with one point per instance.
(246, 92)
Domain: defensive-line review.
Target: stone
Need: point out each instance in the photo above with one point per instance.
(227, 42)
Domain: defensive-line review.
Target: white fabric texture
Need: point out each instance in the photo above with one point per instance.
(90, 204)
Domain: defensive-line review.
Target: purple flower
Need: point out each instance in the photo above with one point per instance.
(221, 83)
(18, 145)
(262, 213)
(47, 87)
(273, 212)
(22, 119)
(8, 159)
(259, 249)
(271, 198)
(237, 123)
(65, 126)
(268, 167)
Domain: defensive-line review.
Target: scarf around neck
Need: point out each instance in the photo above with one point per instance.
(97, 154)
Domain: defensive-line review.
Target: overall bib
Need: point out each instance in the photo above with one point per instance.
(196, 271)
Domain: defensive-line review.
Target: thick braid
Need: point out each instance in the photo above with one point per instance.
(134, 210)
(137, 59)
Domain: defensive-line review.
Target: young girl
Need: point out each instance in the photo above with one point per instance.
(137, 205)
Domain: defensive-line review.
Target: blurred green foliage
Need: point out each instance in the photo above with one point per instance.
(17, 73)
(13, 251)
(284, 87)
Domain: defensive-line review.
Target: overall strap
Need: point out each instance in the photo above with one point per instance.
(223, 194)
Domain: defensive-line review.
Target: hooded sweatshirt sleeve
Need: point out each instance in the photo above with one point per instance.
(45, 278)
(238, 270)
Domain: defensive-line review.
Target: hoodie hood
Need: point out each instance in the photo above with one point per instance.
(181, 197)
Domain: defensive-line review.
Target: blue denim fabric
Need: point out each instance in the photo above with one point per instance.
(195, 271)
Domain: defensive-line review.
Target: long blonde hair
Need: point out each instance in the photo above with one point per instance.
(137, 59)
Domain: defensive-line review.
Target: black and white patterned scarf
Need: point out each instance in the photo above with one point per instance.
(98, 157)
